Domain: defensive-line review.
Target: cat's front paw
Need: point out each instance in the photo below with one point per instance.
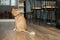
(14, 29)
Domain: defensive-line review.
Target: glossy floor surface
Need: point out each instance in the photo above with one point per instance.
(41, 32)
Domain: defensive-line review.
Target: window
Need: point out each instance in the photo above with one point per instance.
(5, 2)
(13, 2)
(8, 2)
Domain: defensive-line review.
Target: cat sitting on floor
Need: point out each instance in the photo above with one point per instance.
(20, 21)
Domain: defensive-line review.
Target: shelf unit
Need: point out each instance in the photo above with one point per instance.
(21, 6)
(47, 7)
(43, 11)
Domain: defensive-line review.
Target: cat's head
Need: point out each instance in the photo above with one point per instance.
(15, 11)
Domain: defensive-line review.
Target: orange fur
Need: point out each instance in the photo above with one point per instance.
(20, 22)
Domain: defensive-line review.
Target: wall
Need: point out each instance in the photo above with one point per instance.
(5, 8)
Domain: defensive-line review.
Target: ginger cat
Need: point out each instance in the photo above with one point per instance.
(20, 21)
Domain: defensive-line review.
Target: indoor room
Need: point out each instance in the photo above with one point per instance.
(29, 19)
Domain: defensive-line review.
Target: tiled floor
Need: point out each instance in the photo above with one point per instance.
(41, 32)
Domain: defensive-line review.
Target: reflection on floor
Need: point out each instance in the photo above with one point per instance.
(41, 32)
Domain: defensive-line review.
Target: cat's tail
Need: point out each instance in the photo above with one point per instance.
(31, 33)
